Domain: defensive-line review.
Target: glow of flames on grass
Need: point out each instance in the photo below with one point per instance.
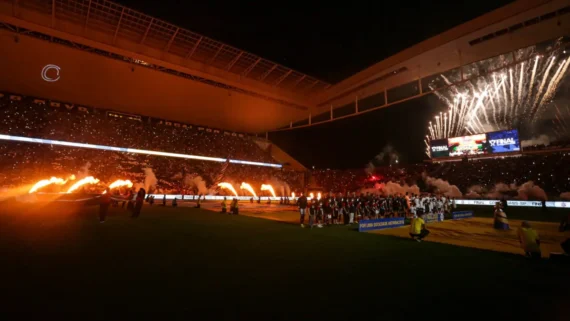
(268, 188)
(121, 183)
(46, 182)
(81, 182)
(246, 186)
(228, 186)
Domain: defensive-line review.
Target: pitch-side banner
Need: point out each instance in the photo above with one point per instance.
(476, 202)
(379, 224)
(459, 215)
(524, 203)
(432, 218)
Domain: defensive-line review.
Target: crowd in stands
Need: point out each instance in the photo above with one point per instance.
(25, 162)
(475, 177)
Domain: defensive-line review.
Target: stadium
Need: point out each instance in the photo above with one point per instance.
(151, 171)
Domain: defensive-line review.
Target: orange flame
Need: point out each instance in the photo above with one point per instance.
(312, 195)
(81, 182)
(120, 183)
(268, 188)
(318, 196)
(248, 187)
(292, 194)
(46, 182)
(228, 186)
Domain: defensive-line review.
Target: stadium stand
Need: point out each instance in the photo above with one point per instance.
(30, 117)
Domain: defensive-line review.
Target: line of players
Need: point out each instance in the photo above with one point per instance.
(340, 210)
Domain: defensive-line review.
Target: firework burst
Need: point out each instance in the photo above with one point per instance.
(512, 97)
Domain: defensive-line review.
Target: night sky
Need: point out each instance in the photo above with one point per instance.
(331, 41)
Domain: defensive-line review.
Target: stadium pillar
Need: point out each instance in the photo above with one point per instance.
(310, 119)
(356, 104)
(52, 13)
(291, 124)
(331, 112)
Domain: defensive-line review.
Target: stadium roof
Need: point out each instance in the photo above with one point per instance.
(118, 58)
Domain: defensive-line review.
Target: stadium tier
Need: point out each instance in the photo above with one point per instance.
(26, 161)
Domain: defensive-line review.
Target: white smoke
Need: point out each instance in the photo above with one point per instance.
(443, 187)
(281, 188)
(391, 188)
(540, 140)
(530, 191)
(84, 170)
(388, 156)
(565, 196)
(198, 182)
(149, 179)
(500, 189)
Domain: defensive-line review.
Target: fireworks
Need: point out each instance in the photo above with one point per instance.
(120, 183)
(81, 182)
(268, 188)
(228, 186)
(46, 182)
(509, 98)
(561, 121)
(246, 186)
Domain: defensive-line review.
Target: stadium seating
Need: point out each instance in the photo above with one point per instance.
(24, 162)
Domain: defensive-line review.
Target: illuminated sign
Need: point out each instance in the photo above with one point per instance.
(439, 148)
(53, 71)
(503, 141)
(130, 150)
(467, 145)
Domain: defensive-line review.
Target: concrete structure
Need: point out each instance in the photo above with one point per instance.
(114, 57)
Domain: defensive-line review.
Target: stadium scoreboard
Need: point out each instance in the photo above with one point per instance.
(491, 143)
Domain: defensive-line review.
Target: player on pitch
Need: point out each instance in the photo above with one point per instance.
(418, 229)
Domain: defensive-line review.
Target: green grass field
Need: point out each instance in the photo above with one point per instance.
(185, 263)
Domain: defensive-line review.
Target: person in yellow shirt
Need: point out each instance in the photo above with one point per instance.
(529, 240)
(418, 229)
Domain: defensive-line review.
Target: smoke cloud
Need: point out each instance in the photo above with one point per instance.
(391, 188)
(388, 156)
(443, 187)
(84, 170)
(150, 179)
(197, 182)
(530, 191)
(540, 140)
(565, 196)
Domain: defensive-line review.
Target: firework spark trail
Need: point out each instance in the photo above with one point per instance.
(504, 99)
(530, 87)
(512, 92)
(554, 84)
(521, 77)
(534, 105)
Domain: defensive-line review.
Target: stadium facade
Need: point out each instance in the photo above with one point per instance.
(104, 55)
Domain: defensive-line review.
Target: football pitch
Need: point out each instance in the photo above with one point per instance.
(187, 263)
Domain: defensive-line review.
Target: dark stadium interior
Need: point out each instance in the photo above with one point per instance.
(280, 161)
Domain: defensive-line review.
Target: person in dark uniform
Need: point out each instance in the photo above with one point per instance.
(139, 203)
(302, 203)
(175, 202)
(224, 206)
(104, 203)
